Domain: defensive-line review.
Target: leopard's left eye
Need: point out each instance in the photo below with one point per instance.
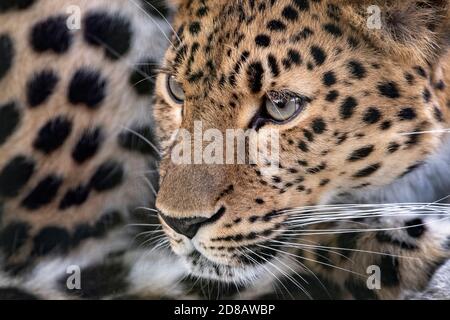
(282, 107)
(175, 89)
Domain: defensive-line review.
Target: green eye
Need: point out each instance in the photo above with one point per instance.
(282, 107)
(175, 90)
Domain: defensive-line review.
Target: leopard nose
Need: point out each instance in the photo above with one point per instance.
(190, 226)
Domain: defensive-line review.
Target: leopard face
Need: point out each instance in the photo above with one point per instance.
(362, 103)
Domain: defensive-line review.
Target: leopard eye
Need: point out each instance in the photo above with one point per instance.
(175, 90)
(282, 107)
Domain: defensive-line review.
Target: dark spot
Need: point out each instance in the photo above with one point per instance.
(6, 54)
(15, 175)
(108, 176)
(100, 281)
(140, 139)
(112, 32)
(426, 95)
(51, 35)
(332, 96)
(372, 115)
(415, 228)
(393, 147)
(40, 86)
(329, 78)
(357, 69)
(389, 89)
(273, 65)
(13, 237)
(51, 240)
(195, 28)
(318, 55)
(359, 290)
(88, 145)
(386, 125)
(319, 126)
(389, 267)
(407, 114)
(53, 135)
(9, 120)
(276, 25)
(87, 87)
(293, 57)
(333, 29)
(302, 5)
(143, 77)
(420, 71)
(361, 153)
(290, 13)
(262, 40)
(347, 242)
(45, 191)
(303, 146)
(368, 171)
(74, 197)
(255, 73)
(259, 201)
(348, 108)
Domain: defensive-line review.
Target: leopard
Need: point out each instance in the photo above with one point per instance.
(91, 108)
(361, 114)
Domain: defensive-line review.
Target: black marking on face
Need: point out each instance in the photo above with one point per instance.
(43, 193)
(357, 70)
(329, 78)
(87, 145)
(15, 175)
(100, 280)
(51, 34)
(111, 32)
(108, 176)
(276, 25)
(9, 120)
(389, 267)
(262, 40)
(6, 54)
(290, 13)
(348, 108)
(75, 197)
(359, 289)
(143, 79)
(53, 135)
(318, 55)
(13, 237)
(139, 140)
(407, 114)
(51, 240)
(255, 74)
(372, 115)
(87, 87)
(273, 65)
(415, 228)
(368, 171)
(195, 28)
(7, 5)
(333, 29)
(40, 87)
(332, 96)
(389, 89)
(361, 153)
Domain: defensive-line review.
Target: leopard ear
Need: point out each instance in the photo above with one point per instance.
(406, 29)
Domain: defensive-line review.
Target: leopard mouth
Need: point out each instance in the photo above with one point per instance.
(243, 265)
(242, 272)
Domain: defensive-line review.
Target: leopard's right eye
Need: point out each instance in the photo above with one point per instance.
(175, 89)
